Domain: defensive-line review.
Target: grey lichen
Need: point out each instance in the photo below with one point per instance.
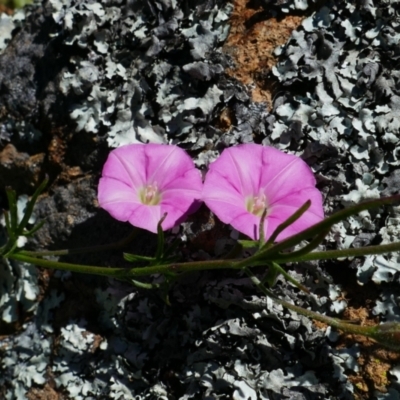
(8, 24)
(139, 94)
(351, 100)
(19, 289)
(154, 71)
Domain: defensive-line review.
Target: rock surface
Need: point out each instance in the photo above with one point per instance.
(80, 77)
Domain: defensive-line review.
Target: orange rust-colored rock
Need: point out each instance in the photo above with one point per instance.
(252, 48)
(6, 10)
(19, 170)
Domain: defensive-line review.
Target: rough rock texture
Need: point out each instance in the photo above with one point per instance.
(80, 77)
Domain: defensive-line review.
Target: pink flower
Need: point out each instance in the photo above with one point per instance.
(248, 178)
(141, 182)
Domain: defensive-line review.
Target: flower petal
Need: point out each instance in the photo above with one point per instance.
(283, 210)
(131, 168)
(283, 174)
(248, 223)
(116, 197)
(147, 217)
(189, 182)
(296, 199)
(222, 196)
(127, 164)
(248, 170)
(165, 163)
(241, 167)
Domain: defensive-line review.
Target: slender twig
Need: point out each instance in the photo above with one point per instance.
(331, 254)
(386, 334)
(92, 249)
(125, 273)
(324, 225)
(29, 207)
(293, 218)
(118, 273)
(288, 277)
(307, 248)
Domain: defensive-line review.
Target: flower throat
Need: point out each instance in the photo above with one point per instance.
(257, 204)
(150, 195)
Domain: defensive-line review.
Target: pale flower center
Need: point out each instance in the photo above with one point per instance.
(257, 204)
(150, 195)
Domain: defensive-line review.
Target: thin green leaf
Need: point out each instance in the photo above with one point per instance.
(271, 276)
(12, 204)
(142, 285)
(293, 218)
(164, 261)
(261, 232)
(324, 225)
(30, 206)
(135, 258)
(248, 244)
(10, 232)
(34, 229)
(160, 239)
(288, 277)
(306, 249)
(332, 254)
(10, 249)
(12, 238)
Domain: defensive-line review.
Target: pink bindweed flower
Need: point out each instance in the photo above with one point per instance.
(141, 182)
(249, 178)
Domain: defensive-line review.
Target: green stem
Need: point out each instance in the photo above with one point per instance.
(288, 277)
(12, 203)
(337, 323)
(29, 207)
(293, 218)
(118, 273)
(387, 334)
(91, 249)
(324, 225)
(184, 267)
(124, 273)
(330, 254)
(205, 265)
(307, 248)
